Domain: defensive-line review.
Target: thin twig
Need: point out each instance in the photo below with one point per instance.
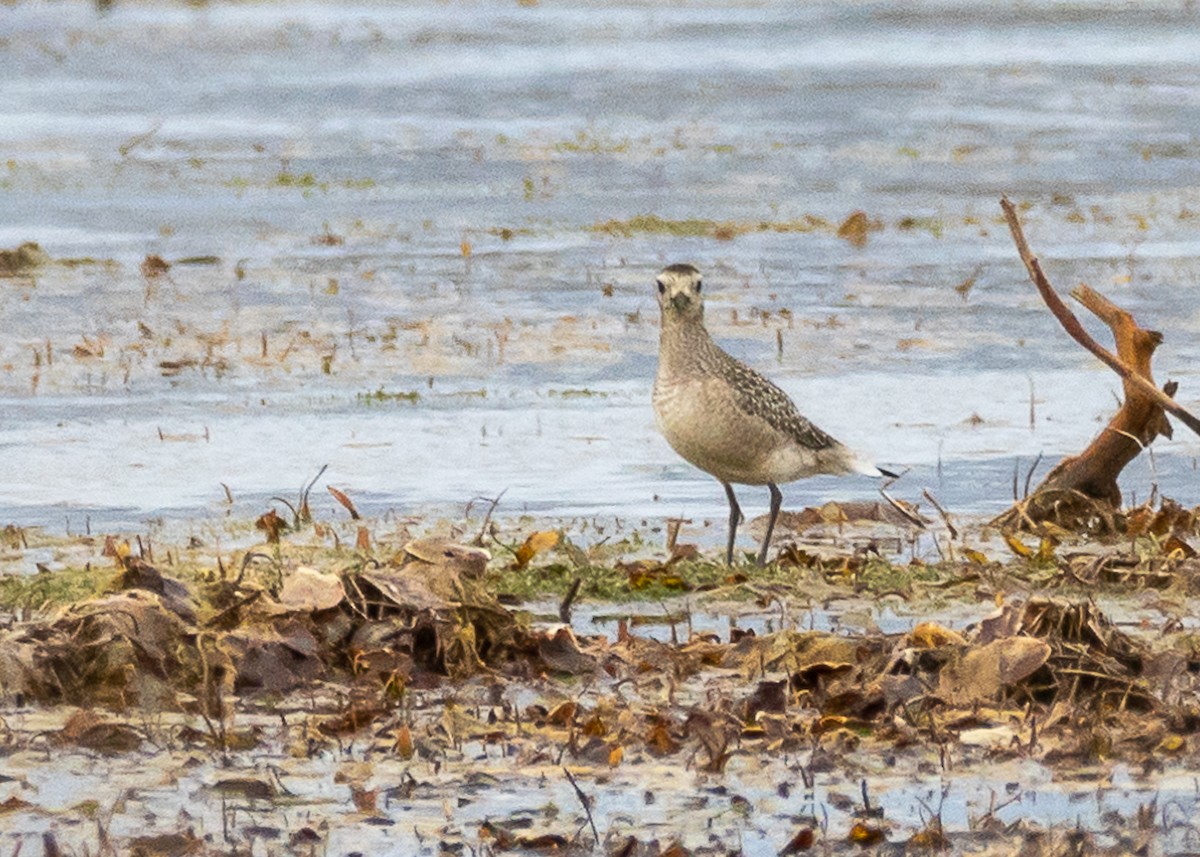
(295, 514)
(249, 558)
(304, 515)
(1072, 325)
(583, 799)
(139, 139)
(1037, 461)
(217, 620)
(945, 515)
(915, 520)
(494, 502)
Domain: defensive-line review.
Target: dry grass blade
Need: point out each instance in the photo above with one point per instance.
(303, 515)
(944, 514)
(914, 519)
(587, 804)
(564, 609)
(345, 501)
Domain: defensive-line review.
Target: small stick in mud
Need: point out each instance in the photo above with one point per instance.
(219, 619)
(915, 520)
(493, 502)
(583, 799)
(305, 516)
(673, 527)
(564, 609)
(950, 528)
(49, 846)
(1030, 471)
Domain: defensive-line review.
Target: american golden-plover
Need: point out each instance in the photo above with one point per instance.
(725, 418)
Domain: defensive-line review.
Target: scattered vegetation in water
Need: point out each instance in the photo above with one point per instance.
(23, 259)
(933, 225)
(88, 262)
(578, 393)
(305, 181)
(382, 396)
(506, 233)
(636, 581)
(24, 593)
(285, 178)
(1151, 151)
(722, 230)
(200, 261)
(879, 576)
(777, 687)
(593, 144)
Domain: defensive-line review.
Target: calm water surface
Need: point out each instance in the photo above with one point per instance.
(416, 200)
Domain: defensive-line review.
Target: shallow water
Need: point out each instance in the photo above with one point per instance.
(759, 802)
(337, 160)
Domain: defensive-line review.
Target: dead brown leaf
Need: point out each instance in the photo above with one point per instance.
(930, 635)
(536, 543)
(364, 799)
(271, 524)
(154, 266)
(865, 834)
(658, 739)
(14, 804)
(248, 788)
(403, 743)
(26, 257)
(802, 841)
(166, 845)
(309, 590)
(562, 714)
(351, 720)
(981, 674)
(345, 501)
(856, 228)
(109, 738)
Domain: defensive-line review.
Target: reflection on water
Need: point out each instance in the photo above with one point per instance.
(159, 793)
(405, 199)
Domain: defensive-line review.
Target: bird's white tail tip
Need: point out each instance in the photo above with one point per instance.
(866, 468)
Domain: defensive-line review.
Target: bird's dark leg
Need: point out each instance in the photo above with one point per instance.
(776, 502)
(735, 515)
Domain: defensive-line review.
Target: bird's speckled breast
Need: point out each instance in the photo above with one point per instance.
(700, 419)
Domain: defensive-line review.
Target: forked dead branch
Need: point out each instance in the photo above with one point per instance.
(1081, 492)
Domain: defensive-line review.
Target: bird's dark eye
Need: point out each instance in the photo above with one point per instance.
(662, 289)
(699, 284)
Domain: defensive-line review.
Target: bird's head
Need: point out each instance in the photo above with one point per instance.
(679, 292)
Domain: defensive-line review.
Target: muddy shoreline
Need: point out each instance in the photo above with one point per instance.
(835, 693)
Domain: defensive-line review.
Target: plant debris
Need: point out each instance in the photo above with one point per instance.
(416, 659)
(25, 258)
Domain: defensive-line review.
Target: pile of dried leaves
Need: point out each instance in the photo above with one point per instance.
(1043, 678)
(154, 642)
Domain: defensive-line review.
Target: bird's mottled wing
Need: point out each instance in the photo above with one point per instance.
(756, 395)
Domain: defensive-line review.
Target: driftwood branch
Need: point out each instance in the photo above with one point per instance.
(1081, 491)
(1072, 325)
